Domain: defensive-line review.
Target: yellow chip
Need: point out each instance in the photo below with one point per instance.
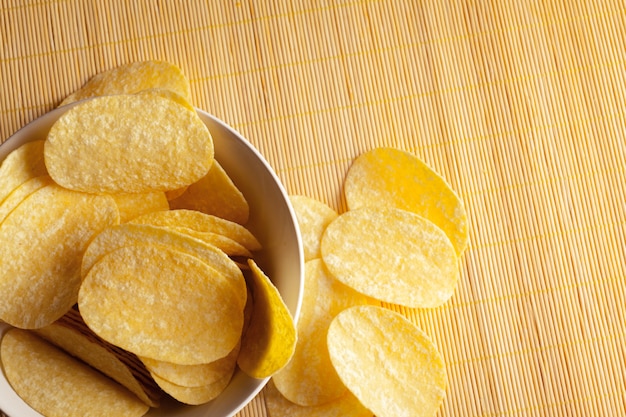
(134, 205)
(194, 375)
(387, 177)
(70, 334)
(161, 303)
(309, 378)
(388, 363)
(128, 144)
(133, 78)
(41, 244)
(270, 339)
(170, 95)
(226, 244)
(128, 234)
(391, 255)
(194, 395)
(201, 222)
(345, 406)
(20, 165)
(57, 385)
(20, 193)
(313, 217)
(215, 194)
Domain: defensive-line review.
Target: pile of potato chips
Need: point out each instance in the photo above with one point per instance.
(398, 243)
(124, 252)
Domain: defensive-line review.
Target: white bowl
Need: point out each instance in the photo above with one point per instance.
(273, 222)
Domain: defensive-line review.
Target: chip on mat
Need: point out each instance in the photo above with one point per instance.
(387, 362)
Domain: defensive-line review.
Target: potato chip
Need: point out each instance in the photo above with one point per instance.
(134, 205)
(215, 194)
(113, 238)
(270, 339)
(313, 216)
(58, 385)
(20, 165)
(72, 335)
(345, 406)
(392, 255)
(161, 303)
(41, 243)
(170, 95)
(387, 362)
(387, 177)
(133, 78)
(201, 222)
(226, 244)
(309, 378)
(20, 193)
(172, 194)
(128, 144)
(194, 375)
(194, 395)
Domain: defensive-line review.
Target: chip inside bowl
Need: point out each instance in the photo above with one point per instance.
(57, 384)
(128, 144)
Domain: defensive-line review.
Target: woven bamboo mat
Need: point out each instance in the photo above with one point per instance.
(519, 104)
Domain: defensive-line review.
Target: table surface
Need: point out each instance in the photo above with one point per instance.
(518, 104)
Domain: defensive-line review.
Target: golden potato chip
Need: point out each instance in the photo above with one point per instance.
(58, 385)
(194, 375)
(194, 395)
(309, 378)
(345, 406)
(172, 194)
(72, 335)
(387, 177)
(128, 234)
(128, 144)
(41, 244)
(134, 205)
(20, 165)
(313, 216)
(270, 339)
(161, 303)
(133, 78)
(170, 95)
(387, 362)
(391, 255)
(215, 194)
(226, 244)
(20, 193)
(201, 222)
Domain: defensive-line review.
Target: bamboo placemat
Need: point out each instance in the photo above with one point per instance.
(519, 104)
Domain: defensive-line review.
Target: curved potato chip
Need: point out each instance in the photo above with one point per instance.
(345, 406)
(229, 246)
(313, 217)
(20, 165)
(136, 144)
(161, 303)
(169, 94)
(391, 255)
(133, 205)
(41, 243)
(194, 395)
(58, 385)
(133, 78)
(270, 339)
(387, 177)
(20, 193)
(128, 234)
(72, 335)
(201, 222)
(387, 362)
(194, 375)
(215, 194)
(309, 379)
